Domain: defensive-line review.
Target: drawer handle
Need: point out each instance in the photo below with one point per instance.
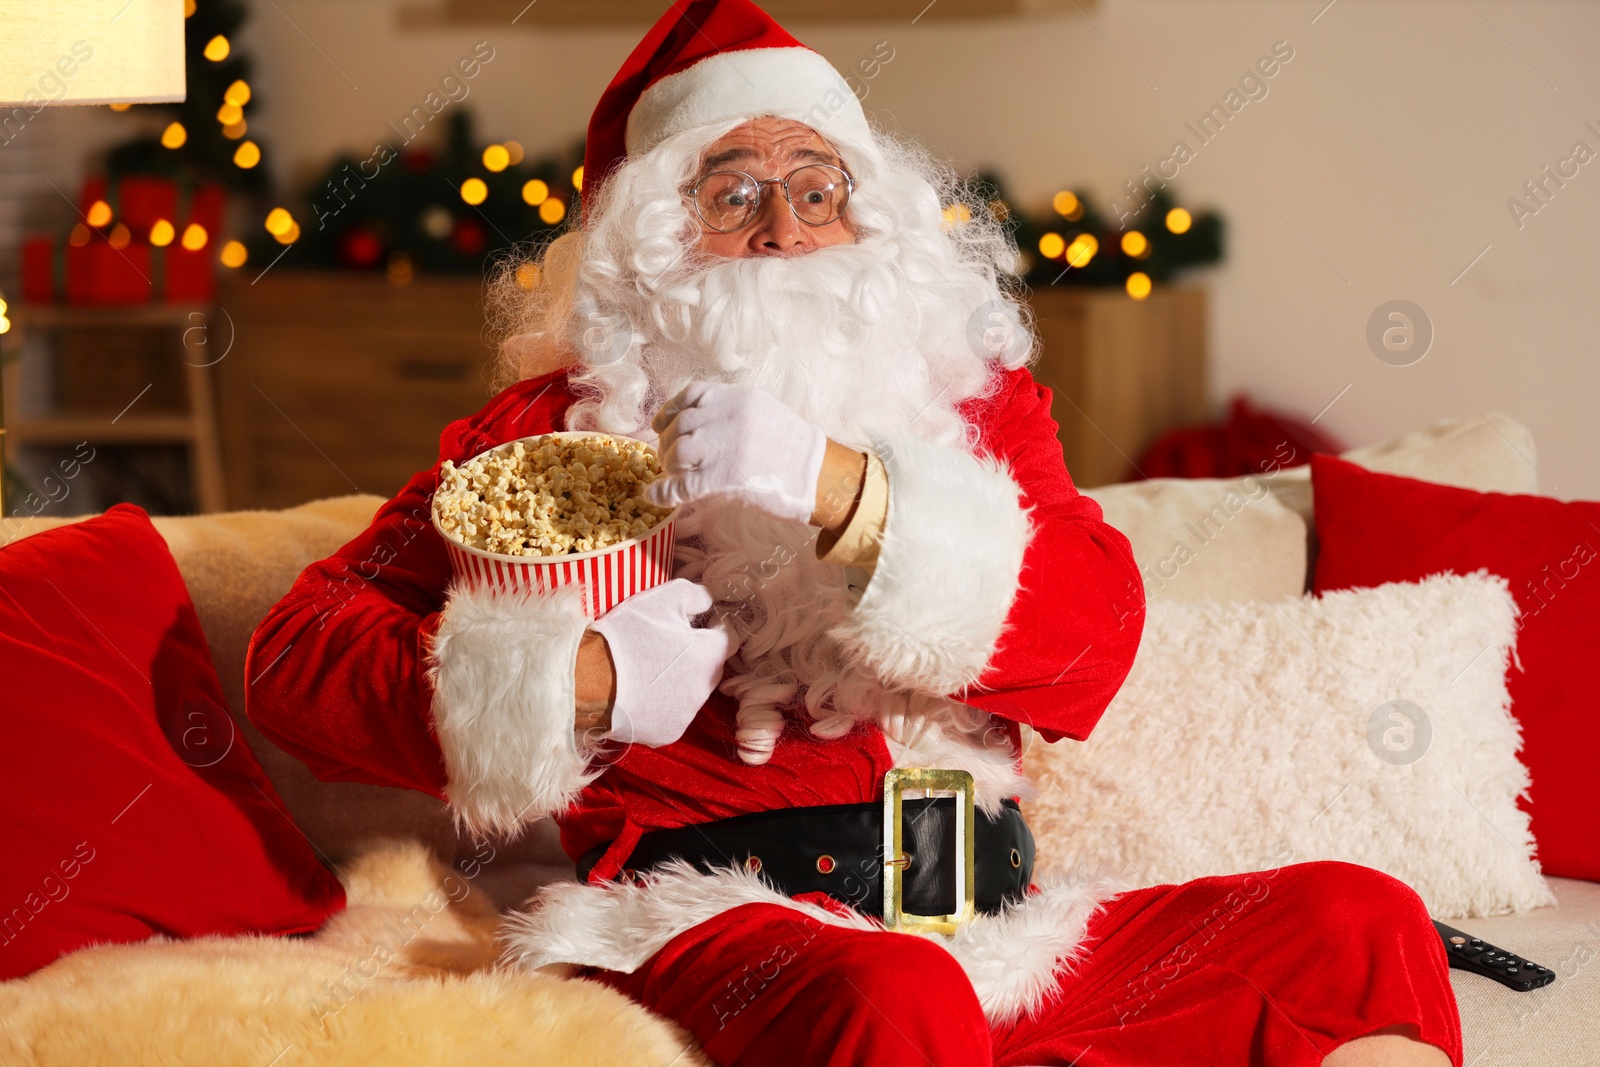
(433, 370)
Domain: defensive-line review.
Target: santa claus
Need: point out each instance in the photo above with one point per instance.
(883, 570)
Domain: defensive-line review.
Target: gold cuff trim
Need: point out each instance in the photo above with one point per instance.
(857, 545)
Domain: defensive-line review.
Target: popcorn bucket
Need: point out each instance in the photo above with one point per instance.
(608, 575)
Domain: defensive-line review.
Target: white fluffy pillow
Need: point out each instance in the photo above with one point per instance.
(1251, 735)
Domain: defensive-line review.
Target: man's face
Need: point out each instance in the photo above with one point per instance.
(771, 148)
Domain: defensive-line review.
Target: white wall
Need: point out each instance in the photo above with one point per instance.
(1389, 144)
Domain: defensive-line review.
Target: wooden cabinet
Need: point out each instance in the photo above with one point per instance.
(1123, 371)
(342, 383)
(338, 383)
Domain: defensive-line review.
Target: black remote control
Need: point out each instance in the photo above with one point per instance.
(1468, 953)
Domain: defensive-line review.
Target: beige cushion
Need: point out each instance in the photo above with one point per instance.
(1557, 1026)
(1209, 538)
(1246, 538)
(1491, 454)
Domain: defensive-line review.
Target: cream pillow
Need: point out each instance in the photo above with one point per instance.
(1251, 735)
(1490, 454)
(1246, 538)
(1209, 538)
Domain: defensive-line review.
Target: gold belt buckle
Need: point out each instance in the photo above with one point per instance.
(895, 861)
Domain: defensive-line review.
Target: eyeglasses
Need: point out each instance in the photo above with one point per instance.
(727, 200)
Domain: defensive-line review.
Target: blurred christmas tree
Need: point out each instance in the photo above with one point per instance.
(440, 210)
(207, 138)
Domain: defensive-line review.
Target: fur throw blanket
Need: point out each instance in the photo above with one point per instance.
(404, 976)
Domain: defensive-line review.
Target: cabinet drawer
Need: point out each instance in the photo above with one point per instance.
(337, 388)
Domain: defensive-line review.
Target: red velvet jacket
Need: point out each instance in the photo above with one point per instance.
(337, 672)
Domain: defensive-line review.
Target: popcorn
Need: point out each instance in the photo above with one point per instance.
(549, 496)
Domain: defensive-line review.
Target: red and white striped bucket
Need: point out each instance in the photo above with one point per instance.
(609, 575)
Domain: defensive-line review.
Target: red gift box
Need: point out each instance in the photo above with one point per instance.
(97, 274)
(189, 275)
(38, 270)
(139, 201)
(136, 201)
(100, 274)
(206, 207)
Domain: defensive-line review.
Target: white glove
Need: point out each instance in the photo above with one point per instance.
(738, 441)
(666, 667)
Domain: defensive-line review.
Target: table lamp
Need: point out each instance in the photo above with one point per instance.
(55, 52)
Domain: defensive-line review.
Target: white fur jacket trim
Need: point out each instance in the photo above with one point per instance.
(949, 564)
(1013, 959)
(502, 667)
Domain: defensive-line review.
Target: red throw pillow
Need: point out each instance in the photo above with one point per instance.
(1376, 528)
(132, 806)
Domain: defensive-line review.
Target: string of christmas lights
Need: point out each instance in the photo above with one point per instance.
(1072, 244)
(412, 209)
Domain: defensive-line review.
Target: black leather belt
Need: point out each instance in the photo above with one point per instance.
(837, 849)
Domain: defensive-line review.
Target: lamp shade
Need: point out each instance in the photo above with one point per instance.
(90, 52)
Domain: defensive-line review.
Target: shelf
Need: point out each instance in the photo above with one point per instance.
(155, 424)
(66, 430)
(51, 315)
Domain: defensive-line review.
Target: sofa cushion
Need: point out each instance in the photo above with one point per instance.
(1250, 735)
(1377, 528)
(1557, 1025)
(1248, 538)
(1209, 538)
(1492, 454)
(132, 808)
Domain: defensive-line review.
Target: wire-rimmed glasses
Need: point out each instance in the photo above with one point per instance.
(727, 200)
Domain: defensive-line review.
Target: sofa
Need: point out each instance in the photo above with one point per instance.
(1265, 551)
(436, 996)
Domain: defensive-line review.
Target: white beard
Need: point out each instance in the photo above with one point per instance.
(837, 334)
(790, 673)
(840, 336)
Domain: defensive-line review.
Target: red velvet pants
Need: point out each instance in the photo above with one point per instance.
(1278, 967)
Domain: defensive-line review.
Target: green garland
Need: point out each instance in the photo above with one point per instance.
(399, 206)
(1111, 257)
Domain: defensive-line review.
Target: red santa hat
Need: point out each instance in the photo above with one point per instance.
(708, 61)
